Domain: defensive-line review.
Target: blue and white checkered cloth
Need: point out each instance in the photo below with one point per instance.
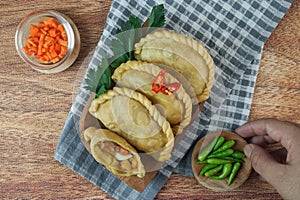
(233, 31)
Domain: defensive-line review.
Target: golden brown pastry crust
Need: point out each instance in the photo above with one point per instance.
(168, 43)
(158, 145)
(178, 109)
(94, 136)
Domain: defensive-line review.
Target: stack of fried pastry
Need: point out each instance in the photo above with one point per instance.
(150, 103)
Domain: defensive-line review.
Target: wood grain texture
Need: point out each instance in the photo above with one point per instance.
(34, 107)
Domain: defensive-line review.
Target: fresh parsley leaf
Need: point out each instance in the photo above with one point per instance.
(129, 34)
(120, 53)
(100, 91)
(99, 80)
(157, 17)
(91, 80)
(105, 79)
(117, 61)
(117, 47)
(132, 23)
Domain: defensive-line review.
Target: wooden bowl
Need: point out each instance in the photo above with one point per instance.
(221, 185)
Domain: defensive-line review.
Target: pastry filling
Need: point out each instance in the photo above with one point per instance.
(117, 157)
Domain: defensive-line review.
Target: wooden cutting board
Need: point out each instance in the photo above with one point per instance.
(139, 184)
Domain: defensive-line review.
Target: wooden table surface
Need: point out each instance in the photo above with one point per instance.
(34, 107)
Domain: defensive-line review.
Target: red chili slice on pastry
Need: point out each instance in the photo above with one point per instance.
(170, 88)
(159, 86)
(159, 81)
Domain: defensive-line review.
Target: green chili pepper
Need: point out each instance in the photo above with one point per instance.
(202, 162)
(238, 154)
(225, 172)
(221, 154)
(227, 145)
(206, 167)
(219, 143)
(213, 171)
(234, 171)
(219, 161)
(233, 159)
(206, 150)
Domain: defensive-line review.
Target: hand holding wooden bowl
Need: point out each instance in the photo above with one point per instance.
(214, 182)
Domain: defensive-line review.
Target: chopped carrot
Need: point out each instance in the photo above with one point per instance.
(30, 42)
(62, 31)
(46, 58)
(40, 44)
(46, 28)
(33, 49)
(52, 32)
(47, 41)
(33, 30)
(51, 48)
(134, 164)
(56, 59)
(43, 31)
(63, 51)
(63, 42)
(44, 50)
(57, 48)
(27, 51)
(35, 39)
(53, 54)
(61, 28)
(41, 24)
(48, 54)
(52, 22)
(123, 151)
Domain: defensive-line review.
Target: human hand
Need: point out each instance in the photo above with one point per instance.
(282, 171)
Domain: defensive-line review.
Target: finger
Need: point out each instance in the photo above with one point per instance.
(264, 164)
(283, 132)
(280, 155)
(262, 140)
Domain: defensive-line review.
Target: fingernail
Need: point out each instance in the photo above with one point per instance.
(248, 150)
(237, 129)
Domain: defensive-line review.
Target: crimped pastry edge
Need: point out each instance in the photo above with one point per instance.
(181, 94)
(165, 152)
(194, 44)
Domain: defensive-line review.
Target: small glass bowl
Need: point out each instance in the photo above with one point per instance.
(23, 31)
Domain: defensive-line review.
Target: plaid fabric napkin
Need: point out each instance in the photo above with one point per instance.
(233, 32)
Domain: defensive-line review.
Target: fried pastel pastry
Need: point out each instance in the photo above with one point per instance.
(184, 55)
(132, 116)
(114, 152)
(139, 76)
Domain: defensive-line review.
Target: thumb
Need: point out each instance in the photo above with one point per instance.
(264, 164)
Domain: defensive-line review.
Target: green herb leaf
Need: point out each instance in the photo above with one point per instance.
(99, 80)
(129, 34)
(105, 79)
(92, 80)
(117, 46)
(100, 91)
(157, 17)
(117, 61)
(132, 23)
(120, 54)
